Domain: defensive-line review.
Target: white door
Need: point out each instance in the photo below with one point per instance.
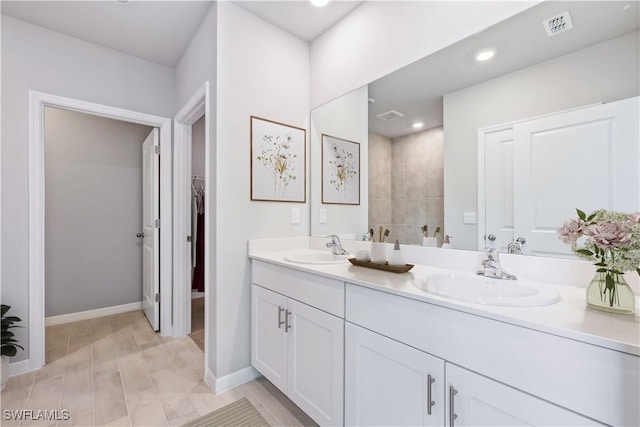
(268, 338)
(498, 190)
(586, 159)
(151, 233)
(388, 383)
(316, 367)
(475, 400)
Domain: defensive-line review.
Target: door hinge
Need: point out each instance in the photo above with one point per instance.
(156, 149)
(189, 239)
(157, 297)
(156, 223)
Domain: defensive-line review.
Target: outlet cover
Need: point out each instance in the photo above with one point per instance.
(469, 218)
(322, 216)
(295, 216)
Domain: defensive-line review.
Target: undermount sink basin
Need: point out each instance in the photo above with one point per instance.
(482, 290)
(315, 257)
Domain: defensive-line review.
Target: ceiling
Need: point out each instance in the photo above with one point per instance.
(300, 17)
(160, 31)
(521, 41)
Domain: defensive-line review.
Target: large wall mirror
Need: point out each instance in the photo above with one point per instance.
(441, 140)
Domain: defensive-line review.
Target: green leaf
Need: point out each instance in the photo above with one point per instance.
(3, 309)
(600, 264)
(638, 271)
(609, 281)
(581, 214)
(590, 217)
(601, 270)
(585, 252)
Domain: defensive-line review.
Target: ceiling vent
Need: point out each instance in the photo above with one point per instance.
(390, 115)
(558, 24)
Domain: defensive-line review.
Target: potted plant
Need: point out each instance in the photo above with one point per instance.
(9, 345)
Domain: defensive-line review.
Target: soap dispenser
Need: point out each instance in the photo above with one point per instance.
(396, 257)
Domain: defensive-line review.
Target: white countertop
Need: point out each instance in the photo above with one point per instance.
(569, 318)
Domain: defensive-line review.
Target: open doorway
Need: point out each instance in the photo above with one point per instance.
(38, 103)
(198, 236)
(93, 212)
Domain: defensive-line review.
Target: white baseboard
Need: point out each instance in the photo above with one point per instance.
(91, 314)
(197, 294)
(222, 384)
(17, 368)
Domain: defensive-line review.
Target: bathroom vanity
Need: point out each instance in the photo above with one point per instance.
(355, 346)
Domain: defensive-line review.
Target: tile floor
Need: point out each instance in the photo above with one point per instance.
(197, 322)
(115, 371)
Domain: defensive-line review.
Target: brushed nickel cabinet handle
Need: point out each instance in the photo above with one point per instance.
(280, 321)
(452, 415)
(430, 403)
(287, 325)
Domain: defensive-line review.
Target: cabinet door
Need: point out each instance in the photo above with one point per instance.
(475, 400)
(387, 382)
(316, 366)
(269, 341)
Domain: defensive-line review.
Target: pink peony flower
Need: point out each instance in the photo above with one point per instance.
(609, 235)
(571, 230)
(635, 217)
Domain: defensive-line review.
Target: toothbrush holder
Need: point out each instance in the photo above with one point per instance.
(429, 241)
(378, 252)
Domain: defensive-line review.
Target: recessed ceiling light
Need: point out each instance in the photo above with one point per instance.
(485, 55)
(626, 7)
(418, 125)
(319, 3)
(122, 1)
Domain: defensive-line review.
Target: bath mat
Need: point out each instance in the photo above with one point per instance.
(240, 413)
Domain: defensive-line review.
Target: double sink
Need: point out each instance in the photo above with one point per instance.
(458, 286)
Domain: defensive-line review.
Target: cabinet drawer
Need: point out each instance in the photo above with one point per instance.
(316, 291)
(600, 383)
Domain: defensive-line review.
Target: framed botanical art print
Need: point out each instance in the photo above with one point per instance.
(340, 171)
(278, 161)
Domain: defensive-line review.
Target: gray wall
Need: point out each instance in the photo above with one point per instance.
(34, 58)
(197, 147)
(379, 182)
(406, 188)
(93, 210)
(602, 73)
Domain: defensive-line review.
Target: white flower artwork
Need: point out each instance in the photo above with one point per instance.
(278, 161)
(340, 171)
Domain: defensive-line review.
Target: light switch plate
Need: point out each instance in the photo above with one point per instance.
(322, 216)
(469, 218)
(295, 216)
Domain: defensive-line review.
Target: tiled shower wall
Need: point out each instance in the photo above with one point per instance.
(406, 185)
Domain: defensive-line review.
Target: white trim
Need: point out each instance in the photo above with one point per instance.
(37, 102)
(195, 295)
(21, 367)
(220, 385)
(191, 112)
(92, 314)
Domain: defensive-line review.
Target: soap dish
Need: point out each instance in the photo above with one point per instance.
(383, 267)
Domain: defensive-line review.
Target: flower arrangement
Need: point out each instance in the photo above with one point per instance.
(276, 157)
(611, 241)
(343, 169)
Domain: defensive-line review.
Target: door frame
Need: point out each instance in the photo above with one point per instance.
(197, 106)
(37, 102)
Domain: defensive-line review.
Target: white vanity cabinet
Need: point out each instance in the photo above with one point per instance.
(475, 400)
(496, 372)
(388, 383)
(297, 338)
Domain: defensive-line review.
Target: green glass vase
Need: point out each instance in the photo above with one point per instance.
(611, 294)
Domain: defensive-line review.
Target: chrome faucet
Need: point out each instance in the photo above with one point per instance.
(491, 267)
(336, 246)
